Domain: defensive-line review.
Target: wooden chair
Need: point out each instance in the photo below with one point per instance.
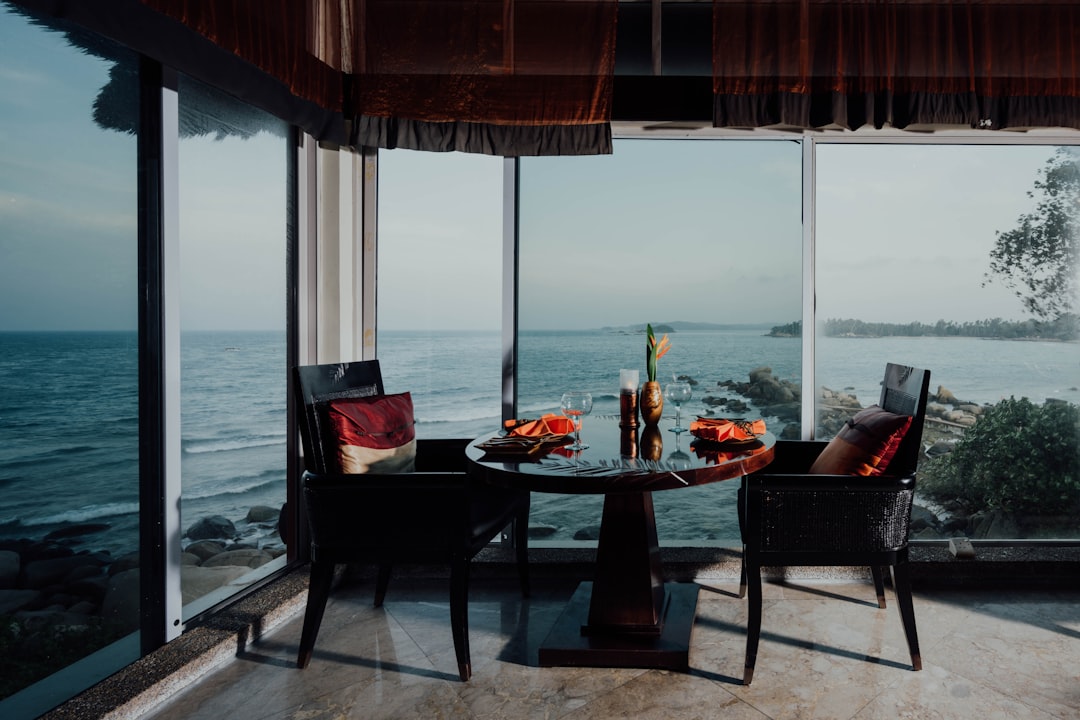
(789, 517)
(435, 515)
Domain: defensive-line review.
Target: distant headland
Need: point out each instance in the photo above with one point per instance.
(1064, 328)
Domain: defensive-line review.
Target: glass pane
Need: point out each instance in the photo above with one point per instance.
(233, 347)
(69, 411)
(700, 238)
(905, 274)
(439, 294)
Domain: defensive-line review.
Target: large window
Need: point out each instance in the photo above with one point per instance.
(906, 240)
(702, 239)
(439, 294)
(69, 399)
(233, 348)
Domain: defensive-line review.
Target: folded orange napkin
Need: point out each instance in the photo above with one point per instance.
(721, 430)
(549, 424)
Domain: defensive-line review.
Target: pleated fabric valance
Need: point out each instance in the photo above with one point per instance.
(501, 77)
(991, 64)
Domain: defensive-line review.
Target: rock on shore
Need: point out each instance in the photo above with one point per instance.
(47, 587)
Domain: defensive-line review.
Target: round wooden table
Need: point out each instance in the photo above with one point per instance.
(627, 616)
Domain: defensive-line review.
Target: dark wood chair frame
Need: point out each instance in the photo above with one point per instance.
(435, 515)
(788, 517)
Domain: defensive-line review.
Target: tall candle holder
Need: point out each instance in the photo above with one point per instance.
(628, 398)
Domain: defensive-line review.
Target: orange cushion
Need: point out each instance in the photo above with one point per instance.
(865, 445)
(372, 434)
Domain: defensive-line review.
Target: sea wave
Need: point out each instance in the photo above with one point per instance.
(72, 449)
(209, 446)
(83, 514)
(240, 485)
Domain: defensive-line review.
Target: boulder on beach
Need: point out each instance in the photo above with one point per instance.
(10, 563)
(41, 573)
(212, 527)
(197, 582)
(120, 607)
(205, 549)
(262, 514)
(248, 557)
(13, 600)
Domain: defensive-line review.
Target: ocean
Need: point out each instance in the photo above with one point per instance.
(69, 411)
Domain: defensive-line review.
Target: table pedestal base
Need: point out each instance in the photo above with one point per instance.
(572, 643)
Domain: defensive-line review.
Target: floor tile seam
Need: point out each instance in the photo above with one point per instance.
(428, 657)
(983, 685)
(743, 701)
(1040, 711)
(1024, 697)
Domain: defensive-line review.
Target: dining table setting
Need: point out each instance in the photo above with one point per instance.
(627, 615)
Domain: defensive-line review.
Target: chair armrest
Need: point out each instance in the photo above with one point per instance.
(825, 513)
(793, 456)
(802, 482)
(375, 482)
(442, 455)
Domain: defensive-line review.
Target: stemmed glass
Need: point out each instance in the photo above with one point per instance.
(576, 405)
(678, 393)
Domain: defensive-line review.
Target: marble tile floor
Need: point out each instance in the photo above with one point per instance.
(827, 651)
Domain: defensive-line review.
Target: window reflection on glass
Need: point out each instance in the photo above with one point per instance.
(439, 288)
(233, 347)
(923, 258)
(703, 239)
(69, 456)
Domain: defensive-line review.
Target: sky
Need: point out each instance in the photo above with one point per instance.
(69, 205)
(707, 231)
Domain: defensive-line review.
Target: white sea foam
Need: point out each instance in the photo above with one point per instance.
(86, 513)
(225, 445)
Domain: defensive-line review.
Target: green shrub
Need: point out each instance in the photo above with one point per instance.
(1019, 457)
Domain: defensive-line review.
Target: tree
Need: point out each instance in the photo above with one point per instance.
(1038, 258)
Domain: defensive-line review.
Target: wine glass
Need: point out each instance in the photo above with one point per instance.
(576, 405)
(678, 393)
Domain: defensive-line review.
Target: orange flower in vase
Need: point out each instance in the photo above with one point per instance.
(651, 402)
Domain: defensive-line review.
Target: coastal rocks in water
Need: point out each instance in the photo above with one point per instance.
(79, 530)
(197, 582)
(732, 406)
(42, 573)
(120, 607)
(539, 530)
(124, 562)
(262, 514)
(764, 388)
(209, 528)
(250, 557)
(10, 564)
(944, 395)
(787, 412)
(588, 533)
(205, 549)
(14, 600)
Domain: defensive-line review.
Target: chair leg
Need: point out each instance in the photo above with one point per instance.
(322, 577)
(879, 584)
(902, 587)
(521, 548)
(753, 621)
(459, 615)
(742, 574)
(382, 582)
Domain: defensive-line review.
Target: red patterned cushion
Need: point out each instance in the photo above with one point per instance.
(371, 434)
(865, 445)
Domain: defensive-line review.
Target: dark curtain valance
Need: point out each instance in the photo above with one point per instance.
(505, 77)
(992, 64)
